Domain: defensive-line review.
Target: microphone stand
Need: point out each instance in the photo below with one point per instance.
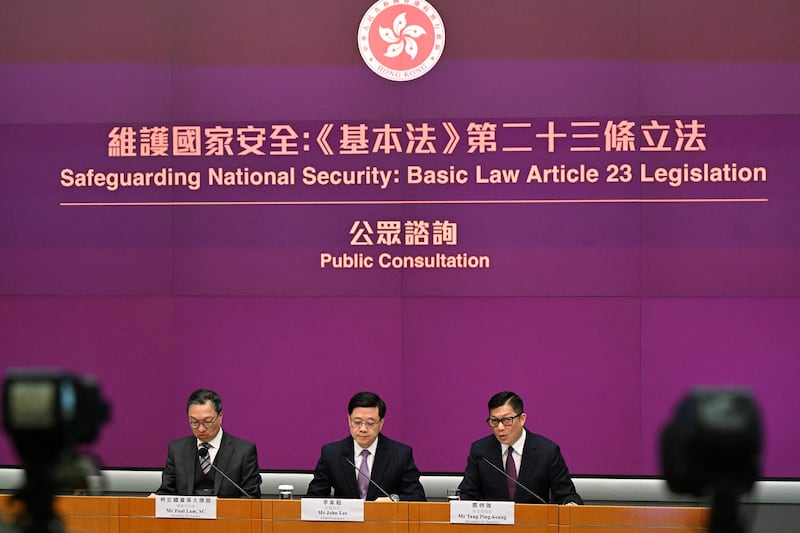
(392, 497)
(529, 491)
(203, 452)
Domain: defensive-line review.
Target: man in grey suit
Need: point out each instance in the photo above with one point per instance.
(513, 449)
(346, 466)
(188, 470)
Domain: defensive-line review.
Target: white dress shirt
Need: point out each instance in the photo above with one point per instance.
(516, 448)
(215, 444)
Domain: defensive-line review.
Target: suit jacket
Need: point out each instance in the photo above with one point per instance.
(236, 457)
(543, 471)
(393, 469)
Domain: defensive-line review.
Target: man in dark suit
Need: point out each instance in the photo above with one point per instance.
(188, 473)
(514, 449)
(347, 465)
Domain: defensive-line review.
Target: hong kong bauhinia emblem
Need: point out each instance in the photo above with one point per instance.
(401, 40)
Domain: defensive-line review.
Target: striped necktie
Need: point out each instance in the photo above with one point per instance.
(205, 459)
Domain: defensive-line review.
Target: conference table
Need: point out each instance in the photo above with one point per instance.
(113, 514)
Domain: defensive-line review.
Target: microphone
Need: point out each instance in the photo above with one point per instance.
(529, 491)
(203, 452)
(393, 497)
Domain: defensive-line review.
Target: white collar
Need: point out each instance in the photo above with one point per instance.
(516, 446)
(372, 448)
(215, 442)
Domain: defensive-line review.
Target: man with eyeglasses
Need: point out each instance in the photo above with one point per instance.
(513, 464)
(188, 470)
(348, 465)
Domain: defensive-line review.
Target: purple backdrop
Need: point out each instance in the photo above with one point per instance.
(601, 313)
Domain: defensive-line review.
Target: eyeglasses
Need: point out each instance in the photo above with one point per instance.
(194, 424)
(357, 423)
(506, 420)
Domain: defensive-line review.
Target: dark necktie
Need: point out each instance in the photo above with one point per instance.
(205, 459)
(363, 477)
(511, 470)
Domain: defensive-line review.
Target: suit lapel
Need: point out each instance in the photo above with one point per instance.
(221, 460)
(496, 457)
(348, 449)
(190, 452)
(528, 460)
(379, 465)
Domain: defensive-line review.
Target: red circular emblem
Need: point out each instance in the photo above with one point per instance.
(401, 40)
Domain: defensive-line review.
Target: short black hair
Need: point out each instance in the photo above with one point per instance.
(506, 397)
(201, 396)
(367, 399)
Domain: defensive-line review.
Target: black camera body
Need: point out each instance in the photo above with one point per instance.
(712, 446)
(48, 414)
(48, 411)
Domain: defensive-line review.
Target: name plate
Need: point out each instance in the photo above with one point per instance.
(169, 506)
(469, 512)
(332, 510)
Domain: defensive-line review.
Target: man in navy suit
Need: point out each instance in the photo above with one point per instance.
(346, 466)
(536, 459)
(185, 473)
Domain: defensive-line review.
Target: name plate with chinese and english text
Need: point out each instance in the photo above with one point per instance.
(170, 506)
(471, 512)
(332, 510)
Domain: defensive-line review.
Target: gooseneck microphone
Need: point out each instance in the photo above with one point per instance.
(526, 489)
(393, 497)
(203, 452)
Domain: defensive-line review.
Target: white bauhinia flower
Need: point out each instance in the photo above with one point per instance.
(401, 37)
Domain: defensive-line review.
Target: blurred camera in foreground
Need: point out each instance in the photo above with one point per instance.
(47, 414)
(712, 446)
(48, 411)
